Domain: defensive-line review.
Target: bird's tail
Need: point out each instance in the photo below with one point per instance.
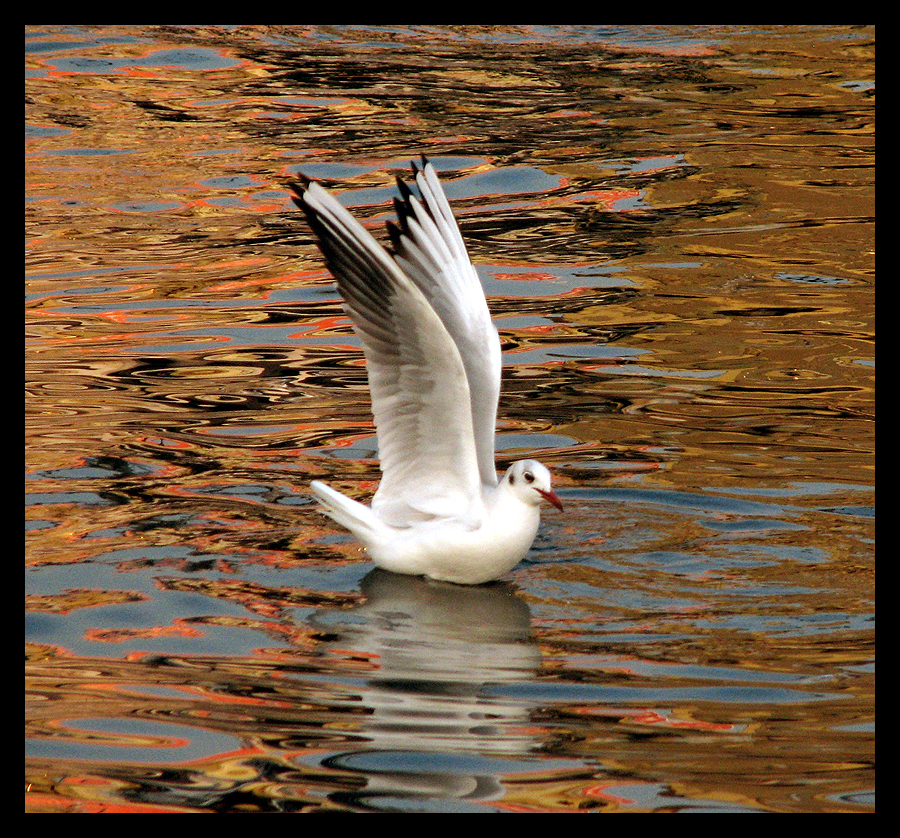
(356, 517)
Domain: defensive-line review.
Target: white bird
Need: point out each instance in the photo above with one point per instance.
(433, 361)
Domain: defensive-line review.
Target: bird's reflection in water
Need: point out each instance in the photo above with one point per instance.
(431, 729)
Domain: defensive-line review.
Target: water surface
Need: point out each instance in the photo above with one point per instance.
(675, 230)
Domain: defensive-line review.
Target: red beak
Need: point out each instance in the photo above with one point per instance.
(551, 497)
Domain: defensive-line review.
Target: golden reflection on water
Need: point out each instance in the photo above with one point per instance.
(675, 230)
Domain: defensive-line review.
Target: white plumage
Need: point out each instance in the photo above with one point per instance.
(433, 361)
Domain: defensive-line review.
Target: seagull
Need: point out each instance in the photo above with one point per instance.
(433, 363)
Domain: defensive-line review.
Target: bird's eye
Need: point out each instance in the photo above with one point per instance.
(529, 477)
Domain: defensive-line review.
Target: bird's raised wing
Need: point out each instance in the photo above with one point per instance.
(430, 250)
(421, 398)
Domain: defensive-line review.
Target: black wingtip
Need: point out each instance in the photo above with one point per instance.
(299, 188)
(395, 234)
(402, 210)
(416, 168)
(297, 199)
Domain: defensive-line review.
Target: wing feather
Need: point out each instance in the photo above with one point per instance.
(419, 383)
(430, 250)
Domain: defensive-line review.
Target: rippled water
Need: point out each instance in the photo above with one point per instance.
(675, 229)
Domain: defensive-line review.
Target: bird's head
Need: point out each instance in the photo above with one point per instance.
(530, 481)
